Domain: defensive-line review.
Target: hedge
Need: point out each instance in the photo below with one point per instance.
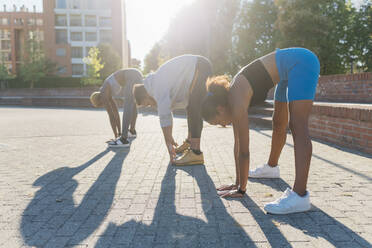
(48, 82)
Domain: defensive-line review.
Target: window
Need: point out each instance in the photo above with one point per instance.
(105, 35)
(75, 20)
(61, 70)
(5, 21)
(19, 21)
(77, 69)
(61, 4)
(77, 52)
(61, 52)
(75, 4)
(61, 20)
(36, 35)
(5, 56)
(4, 34)
(61, 36)
(5, 45)
(31, 22)
(90, 21)
(90, 36)
(76, 36)
(105, 21)
(39, 22)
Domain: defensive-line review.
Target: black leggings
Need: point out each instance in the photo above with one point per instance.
(203, 70)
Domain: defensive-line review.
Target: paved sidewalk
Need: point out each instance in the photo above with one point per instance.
(61, 187)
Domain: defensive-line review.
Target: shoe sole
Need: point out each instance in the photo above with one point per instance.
(191, 163)
(263, 177)
(119, 146)
(289, 212)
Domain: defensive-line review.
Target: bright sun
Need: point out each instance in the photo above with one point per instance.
(147, 22)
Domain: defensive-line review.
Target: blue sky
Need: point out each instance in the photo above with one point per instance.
(147, 20)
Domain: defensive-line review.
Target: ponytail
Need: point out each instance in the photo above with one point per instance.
(217, 92)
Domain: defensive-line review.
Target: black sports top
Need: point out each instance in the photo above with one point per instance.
(259, 79)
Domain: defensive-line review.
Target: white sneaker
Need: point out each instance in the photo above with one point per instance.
(289, 202)
(265, 171)
(119, 142)
(132, 135)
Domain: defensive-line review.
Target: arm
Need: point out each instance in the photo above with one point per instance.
(236, 154)
(243, 160)
(166, 123)
(169, 141)
(239, 101)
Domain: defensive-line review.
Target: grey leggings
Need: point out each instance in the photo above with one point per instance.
(198, 92)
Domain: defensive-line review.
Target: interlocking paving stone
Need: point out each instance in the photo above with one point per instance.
(61, 187)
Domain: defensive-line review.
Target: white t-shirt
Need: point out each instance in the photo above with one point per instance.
(170, 86)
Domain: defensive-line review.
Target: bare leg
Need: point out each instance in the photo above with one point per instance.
(299, 117)
(279, 136)
(134, 119)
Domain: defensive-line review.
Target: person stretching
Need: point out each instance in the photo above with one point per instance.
(178, 84)
(295, 72)
(112, 86)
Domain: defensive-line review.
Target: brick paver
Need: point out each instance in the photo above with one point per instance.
(61, 187)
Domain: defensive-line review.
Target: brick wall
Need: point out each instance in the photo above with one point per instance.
(347, 125)
(354, 88)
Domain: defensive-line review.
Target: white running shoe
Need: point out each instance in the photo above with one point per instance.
(119, 142)
(265, 171)
(132, 135)
(289, 202)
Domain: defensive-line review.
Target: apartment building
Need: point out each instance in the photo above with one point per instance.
(16, 25)
(69, 28)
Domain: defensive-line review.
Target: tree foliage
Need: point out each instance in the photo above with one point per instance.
(232, 33)
(94, 65)
(254, 33)
(152, 59)
(110, 58)
(35, 65)
(135, 63)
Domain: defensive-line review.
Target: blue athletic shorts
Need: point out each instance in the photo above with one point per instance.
(299, 73)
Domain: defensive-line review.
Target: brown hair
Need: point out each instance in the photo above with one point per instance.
(139, 93)
(218, 89)
(96, 99)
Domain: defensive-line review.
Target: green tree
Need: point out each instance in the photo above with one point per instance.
(35, 65)
(362, 35)
(152, 59)
(221, 42)
(110, 58)
(135, 63)
(319, 25)
(255, 33)
(94, 65)
(204, 27)
(5, 76)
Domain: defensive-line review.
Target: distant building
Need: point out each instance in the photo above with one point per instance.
(16, 25)
(69, 28)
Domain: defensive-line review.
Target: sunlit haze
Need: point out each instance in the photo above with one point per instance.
(147, 20)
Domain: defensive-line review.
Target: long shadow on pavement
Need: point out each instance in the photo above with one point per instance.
(214, 227)
(52, 215)
(315, 223)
